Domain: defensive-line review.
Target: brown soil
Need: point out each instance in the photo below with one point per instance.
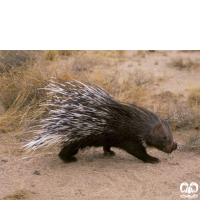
(95, 176)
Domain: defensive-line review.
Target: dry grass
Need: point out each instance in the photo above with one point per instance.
(194, 96)
(183, 63)
(66, 52)
(141, 77)
(12, 59)
(122, 86)
(135, 87)
(121, 53)
(53, 54)
(180, 114)
(193, 143)
(81, 65)
(20, 84)
(20, 97)
(136, 95)
(17, 195)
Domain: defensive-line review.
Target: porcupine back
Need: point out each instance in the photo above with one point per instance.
(76, 112)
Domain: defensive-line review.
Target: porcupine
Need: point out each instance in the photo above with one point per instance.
(84, 115)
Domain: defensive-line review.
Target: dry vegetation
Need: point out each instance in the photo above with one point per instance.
(20, 97)
(21, 78)
(23, 72)
(52, 54)
(21, 195)
(12, 59)
(194, 97)
(192, 144)
(184, 63)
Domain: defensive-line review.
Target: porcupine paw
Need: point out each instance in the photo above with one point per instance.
(153, 160)
(68, 160)
(109, 153)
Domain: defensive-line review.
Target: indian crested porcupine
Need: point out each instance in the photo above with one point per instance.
(85, 115)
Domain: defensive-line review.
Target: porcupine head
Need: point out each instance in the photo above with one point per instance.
(147, 127)
(161, 137)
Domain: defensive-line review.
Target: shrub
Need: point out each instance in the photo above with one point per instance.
(11, 59)
(20, 97)
(141, 77)
(178, 113)
(193, 143)
(194, 96)
(51, 54)
(181, 63)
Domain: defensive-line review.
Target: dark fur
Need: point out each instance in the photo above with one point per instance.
(128, 127)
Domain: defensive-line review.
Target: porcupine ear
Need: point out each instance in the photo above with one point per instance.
(157, 128)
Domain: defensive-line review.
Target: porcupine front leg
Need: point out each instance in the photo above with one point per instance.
(107, 151)
(139, 152)
(67, 152)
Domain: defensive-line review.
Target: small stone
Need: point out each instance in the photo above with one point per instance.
(36, 172)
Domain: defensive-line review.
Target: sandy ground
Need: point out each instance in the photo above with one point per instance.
(95, 176)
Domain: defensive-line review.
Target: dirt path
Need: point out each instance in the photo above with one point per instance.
(94, 176)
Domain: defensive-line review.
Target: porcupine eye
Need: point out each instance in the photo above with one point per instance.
(164, 137)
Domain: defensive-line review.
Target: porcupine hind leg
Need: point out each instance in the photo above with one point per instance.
(67, 153)
(107, 151)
